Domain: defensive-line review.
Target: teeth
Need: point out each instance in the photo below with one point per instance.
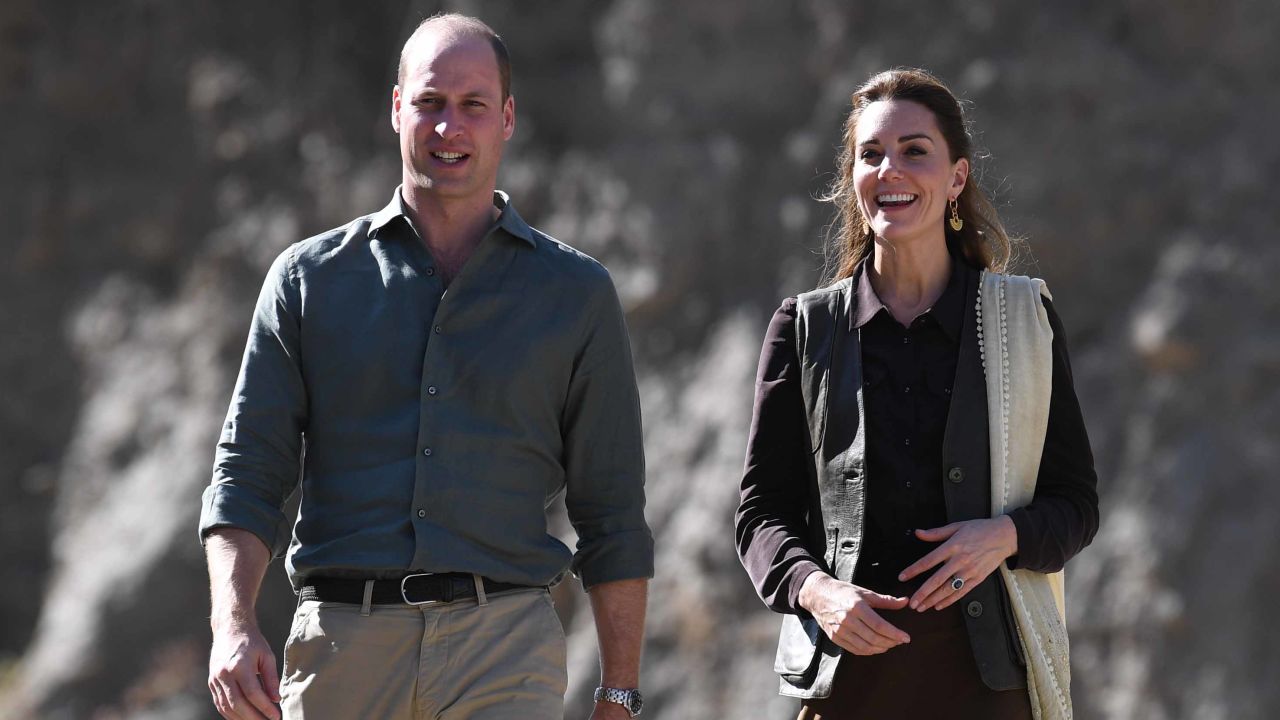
(448, 156)
(895, 197)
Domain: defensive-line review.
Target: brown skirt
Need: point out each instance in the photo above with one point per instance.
(934, 675)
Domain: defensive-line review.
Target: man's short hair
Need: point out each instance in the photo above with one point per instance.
(462, 25)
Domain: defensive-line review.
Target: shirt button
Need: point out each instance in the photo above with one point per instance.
(906, 340)
(426, 451)
(437, 329)
(422, 513)
(907, 442)
(906, 389)
(431, 390)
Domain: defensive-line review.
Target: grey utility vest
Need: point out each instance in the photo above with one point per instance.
(831, 383)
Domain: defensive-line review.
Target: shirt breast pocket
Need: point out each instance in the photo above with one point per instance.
(875, 379)
(938, 379)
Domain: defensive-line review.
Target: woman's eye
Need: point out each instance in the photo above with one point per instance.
(916, 151)
(868, 155)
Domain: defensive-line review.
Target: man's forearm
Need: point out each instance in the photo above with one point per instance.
(238, 561)
(242, 668)
(619, 608)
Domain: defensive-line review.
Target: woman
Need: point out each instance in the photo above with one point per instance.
(915, 565)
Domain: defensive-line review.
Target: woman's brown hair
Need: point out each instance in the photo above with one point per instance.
(982, 241)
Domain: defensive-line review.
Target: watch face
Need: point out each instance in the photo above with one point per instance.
(636, 702)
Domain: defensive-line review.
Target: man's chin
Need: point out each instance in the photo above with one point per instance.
(443, 187)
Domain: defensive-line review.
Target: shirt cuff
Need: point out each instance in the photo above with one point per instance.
(620, 556)
(226, 505)
(794, 580)
(1026, 530)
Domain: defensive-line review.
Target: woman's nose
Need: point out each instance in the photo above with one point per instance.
(889, 168)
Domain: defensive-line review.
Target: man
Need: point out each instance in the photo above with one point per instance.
(429, 431)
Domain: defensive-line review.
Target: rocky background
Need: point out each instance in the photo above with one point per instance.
(155, 157)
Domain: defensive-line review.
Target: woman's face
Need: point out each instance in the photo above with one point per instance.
(903, 174)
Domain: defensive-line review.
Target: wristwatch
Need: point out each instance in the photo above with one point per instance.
(629, 699)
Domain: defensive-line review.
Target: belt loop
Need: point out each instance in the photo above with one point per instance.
(481, 598)
(366, 606)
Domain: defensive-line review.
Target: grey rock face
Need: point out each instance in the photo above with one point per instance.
(156, 158)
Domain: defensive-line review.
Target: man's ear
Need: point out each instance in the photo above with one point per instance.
(395, 109)
(509, 117)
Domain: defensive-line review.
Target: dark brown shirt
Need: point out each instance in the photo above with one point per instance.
(908, 372)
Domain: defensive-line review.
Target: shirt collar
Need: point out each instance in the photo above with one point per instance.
(393, 211)
(948, 311)
(508, 219)
(868, 302)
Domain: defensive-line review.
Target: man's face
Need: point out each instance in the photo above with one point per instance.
(451, 118)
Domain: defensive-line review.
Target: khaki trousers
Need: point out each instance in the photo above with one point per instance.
(462, 661)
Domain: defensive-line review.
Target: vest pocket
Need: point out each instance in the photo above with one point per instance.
(833, 534)
(799, 644)
(1010, 626)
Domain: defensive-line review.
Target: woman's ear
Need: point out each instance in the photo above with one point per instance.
(960, 177)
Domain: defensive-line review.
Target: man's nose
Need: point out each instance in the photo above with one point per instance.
(448, 126)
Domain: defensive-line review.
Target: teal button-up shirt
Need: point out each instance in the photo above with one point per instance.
(430, 429)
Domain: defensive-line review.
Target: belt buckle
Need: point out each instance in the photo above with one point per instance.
(404, 595)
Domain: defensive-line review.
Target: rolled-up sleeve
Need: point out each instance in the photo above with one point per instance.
(771, 523)
(603, 451)
(256, 466)
(1063, 516)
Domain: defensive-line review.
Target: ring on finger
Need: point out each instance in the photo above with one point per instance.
(957, 583)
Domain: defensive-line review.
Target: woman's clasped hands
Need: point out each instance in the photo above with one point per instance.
(970, 551)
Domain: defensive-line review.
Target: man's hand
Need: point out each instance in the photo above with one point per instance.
(242, 674)
(972, 551)
(242, 668)
(847, 614)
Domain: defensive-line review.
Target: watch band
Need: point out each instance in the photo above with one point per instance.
(629, 698)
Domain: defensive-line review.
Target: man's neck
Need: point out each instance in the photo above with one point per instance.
(451, 229)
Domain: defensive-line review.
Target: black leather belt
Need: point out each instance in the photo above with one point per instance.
(417, 589)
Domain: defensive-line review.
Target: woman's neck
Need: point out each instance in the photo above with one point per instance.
(909, 277)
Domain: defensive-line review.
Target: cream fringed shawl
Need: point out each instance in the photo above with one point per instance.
(1016, 343)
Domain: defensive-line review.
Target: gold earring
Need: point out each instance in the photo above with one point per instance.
(956, 222)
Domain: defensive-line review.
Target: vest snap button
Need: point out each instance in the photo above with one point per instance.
(974, 609)
(955, 475)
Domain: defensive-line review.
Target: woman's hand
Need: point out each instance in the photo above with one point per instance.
(846, 613)
(972, 550)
